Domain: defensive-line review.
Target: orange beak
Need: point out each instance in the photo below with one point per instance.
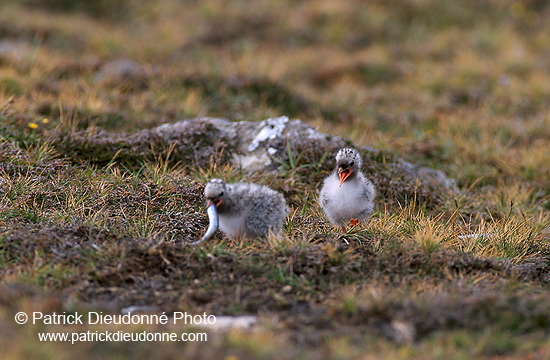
(343, 174)
(216, 202)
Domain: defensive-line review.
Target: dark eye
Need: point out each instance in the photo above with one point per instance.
(221, 194)
(351, 163)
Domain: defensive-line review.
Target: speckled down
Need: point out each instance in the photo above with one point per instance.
(247, 209)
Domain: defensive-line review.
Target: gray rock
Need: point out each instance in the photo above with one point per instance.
(253, 145)
(264, 145)
(113, 72)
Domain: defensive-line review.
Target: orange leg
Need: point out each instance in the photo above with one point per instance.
(354, 222)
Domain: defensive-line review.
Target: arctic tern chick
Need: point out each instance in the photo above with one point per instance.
(246, 209)
(347, 196)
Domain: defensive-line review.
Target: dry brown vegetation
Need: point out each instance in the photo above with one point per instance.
(96, 213)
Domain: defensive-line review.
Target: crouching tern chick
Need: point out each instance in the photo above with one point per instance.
(347, 196)
(244, 209)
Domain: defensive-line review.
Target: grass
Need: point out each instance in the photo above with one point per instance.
(100, 225)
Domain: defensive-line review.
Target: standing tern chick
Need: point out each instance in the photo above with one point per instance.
(347, 196)
(246, 209)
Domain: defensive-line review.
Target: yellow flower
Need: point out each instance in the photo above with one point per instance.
(45, 121)
(33, 125)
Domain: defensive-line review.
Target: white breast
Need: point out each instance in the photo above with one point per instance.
(231, 225)
(343, 202)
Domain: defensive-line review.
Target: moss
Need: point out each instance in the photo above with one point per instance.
(196, 144)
